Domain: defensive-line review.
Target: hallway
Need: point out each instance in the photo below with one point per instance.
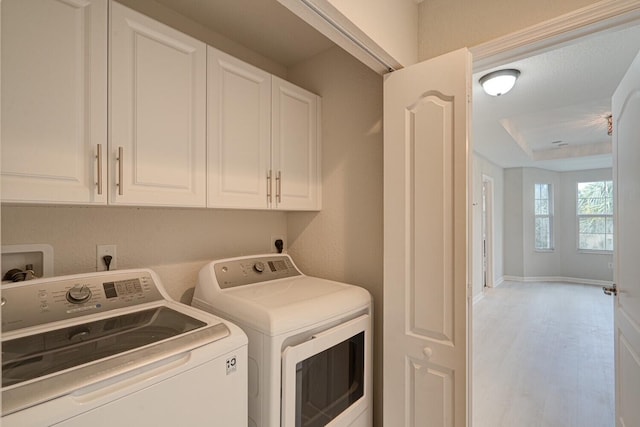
(543, 356)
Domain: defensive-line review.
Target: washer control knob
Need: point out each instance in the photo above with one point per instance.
(259, 266)
(78, 294)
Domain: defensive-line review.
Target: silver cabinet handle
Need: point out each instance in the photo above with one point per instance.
(269, 186)
(99, 160)
(120, 168)
(279, 187)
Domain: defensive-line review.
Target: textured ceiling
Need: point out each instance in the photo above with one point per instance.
(561, 95)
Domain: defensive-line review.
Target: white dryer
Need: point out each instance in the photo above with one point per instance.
(111, 348)
(310, 341)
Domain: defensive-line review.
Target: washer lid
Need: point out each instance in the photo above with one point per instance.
(41, 366)
(285, 305)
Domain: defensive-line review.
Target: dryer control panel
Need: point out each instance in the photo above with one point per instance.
(246, 271)
(53, 299)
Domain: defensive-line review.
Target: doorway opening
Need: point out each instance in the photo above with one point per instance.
(482, 258)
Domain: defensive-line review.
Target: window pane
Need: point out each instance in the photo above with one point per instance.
(543, 235)
(544, 191)
(542, 207)
(592, 225)
(594, 242)
(595, 199)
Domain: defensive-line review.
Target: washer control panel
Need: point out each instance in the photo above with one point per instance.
(59, 298)
(239, 272)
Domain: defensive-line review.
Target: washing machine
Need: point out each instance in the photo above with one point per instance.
(310, 340)
(112, 348)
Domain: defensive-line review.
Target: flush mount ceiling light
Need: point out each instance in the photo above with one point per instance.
(499, 82)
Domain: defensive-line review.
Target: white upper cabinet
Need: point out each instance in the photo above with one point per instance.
(171, 128)
(239, 132)
(54, 101)
(263, 139)
(157, 111)
(295, 131)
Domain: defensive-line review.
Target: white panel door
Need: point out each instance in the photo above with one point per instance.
(626, 134)
(238, 133)
(157, 137)
(295, 147)
(426, 147)
(54, 100)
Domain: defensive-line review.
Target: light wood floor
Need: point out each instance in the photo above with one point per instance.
(543, 356)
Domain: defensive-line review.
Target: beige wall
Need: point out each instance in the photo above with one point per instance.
(392, 24)
(344, 241)
(175, 243)
(446, 25)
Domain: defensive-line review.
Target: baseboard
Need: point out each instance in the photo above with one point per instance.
(499, 282)
(562, 279)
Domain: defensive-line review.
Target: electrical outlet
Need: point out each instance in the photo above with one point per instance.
(101, 251)
(272, 243)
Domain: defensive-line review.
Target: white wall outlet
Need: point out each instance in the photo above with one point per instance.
(272, 243)
(101, 251)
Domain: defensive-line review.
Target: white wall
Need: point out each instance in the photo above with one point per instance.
(343, 242)
(481, 168)
(522, 261)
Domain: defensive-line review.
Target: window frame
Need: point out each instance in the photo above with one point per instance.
(606, 216)
(549, 215)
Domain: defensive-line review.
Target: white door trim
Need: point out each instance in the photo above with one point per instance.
(551, 34)
(488, 228)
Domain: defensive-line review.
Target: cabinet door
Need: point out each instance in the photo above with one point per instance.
(239, 132)
(158, 111)
(54, 100)
(295, 147)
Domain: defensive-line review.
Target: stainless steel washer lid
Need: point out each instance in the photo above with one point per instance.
(277, 306)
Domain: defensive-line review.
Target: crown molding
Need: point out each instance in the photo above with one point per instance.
(600, 16)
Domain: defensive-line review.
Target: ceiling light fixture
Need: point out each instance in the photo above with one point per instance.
(499, 82)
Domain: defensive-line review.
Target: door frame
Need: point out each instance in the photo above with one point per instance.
(487, 230)
(548, 35)
(606, 15)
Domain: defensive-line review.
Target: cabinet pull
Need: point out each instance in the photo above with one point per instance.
(120, 167)
(99, 160)
(269, 186)
(279, 187)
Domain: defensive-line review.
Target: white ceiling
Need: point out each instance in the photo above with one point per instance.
(561, 95)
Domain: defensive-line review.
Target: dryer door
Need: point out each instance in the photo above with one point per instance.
(325, 380)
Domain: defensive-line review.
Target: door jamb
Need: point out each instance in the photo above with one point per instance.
(489, 228)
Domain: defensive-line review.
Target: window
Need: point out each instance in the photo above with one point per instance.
(595, 216)
(544, 216)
